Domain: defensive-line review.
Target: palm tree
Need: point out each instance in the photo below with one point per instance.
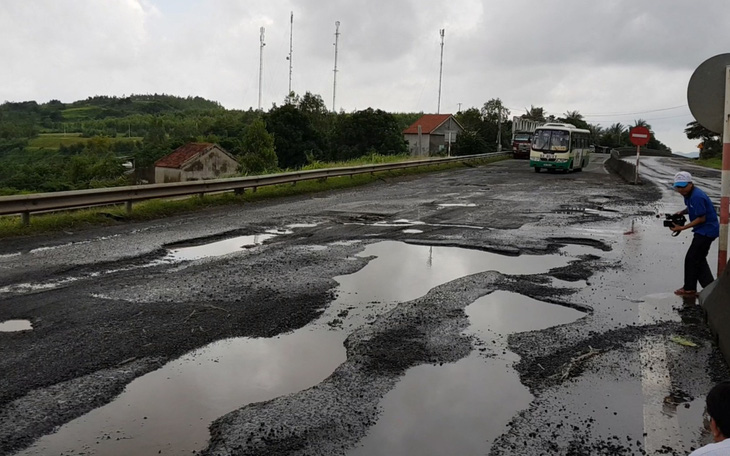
(574, 118)
(613, 137)
(535, 113)
(642, 123)
(596, 133)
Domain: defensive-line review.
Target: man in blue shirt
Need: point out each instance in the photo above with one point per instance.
(706, 227)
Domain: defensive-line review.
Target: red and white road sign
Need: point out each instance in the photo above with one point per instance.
(639, 136)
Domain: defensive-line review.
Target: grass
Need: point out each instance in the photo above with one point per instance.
(715, 163)
(11, 226)
(55, 140)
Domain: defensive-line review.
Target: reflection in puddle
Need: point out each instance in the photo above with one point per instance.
(15, 325)
(460, 408)
(412, 231)
(404, 271)
(504, 313)
(449, 409)
(218, 248)
(169, 410)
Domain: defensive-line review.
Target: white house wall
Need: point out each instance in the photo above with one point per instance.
(211, 165)
(164, 175)
(413, 147)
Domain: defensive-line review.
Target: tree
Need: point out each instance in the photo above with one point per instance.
(596, 133)
(496, 126)
(294, 136)
(365, 132)
(574, 118)
(469, 142)
(494, 111)
(535, 113)
(259, 155)
(711, 145)
(614, 136)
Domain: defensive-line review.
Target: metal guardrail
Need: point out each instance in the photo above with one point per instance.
(54, 201)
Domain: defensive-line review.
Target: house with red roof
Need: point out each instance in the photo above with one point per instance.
(432, 134)
(195, 161)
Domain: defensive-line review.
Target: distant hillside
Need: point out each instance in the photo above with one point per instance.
(48, 115)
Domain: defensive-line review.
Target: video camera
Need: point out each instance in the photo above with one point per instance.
(671, 220)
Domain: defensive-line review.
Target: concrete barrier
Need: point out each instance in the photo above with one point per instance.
(715, 299)
(623, 168)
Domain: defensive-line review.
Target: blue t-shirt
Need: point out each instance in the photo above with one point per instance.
(699, 204)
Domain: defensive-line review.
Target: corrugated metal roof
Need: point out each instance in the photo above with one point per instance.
(428, 123)
(183, 154)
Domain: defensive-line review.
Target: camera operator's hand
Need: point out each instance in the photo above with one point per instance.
(677, 228)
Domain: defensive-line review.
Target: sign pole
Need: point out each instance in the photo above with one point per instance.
(725, 185)
(636, 177)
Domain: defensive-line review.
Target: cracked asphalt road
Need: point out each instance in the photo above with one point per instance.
(107, 307)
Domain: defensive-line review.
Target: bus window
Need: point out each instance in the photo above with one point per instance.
(541, 140)
(551, 141)
(559, 141)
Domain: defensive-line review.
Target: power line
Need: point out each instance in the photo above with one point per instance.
(650, 119)
(608, 114)
(633, 113)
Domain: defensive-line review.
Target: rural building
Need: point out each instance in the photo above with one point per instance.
(195, 161)
(432, 134)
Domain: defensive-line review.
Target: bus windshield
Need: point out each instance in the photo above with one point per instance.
(551, 140)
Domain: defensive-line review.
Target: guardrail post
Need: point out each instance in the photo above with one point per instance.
(201, 195)
(128, 206)
(25, 218)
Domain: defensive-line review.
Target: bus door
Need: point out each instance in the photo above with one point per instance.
(577, 152)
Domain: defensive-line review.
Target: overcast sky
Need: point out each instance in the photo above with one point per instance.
(611, 60)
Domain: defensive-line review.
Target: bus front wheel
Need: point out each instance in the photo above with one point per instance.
(537, 170)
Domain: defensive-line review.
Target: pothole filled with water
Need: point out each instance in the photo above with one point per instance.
(15, 325)
(169, 410)
(461, 408)
(218, 248)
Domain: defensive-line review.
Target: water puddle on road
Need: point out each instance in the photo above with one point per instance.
(15, 325)
(218, 248)
(169, 410)
(461, 408)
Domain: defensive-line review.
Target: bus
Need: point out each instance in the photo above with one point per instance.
(560, 146)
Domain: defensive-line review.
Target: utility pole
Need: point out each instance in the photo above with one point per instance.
(261, 64)
(459, 107)
(334, 83)
(441, 69)
(291, 34)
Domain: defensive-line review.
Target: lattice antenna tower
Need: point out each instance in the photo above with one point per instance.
(289, 58)
(261, 63)
(441, 69)
(334, 81)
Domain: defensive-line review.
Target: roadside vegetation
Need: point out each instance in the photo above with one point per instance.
(714, 162)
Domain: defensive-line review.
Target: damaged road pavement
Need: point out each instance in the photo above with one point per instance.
(485, 310)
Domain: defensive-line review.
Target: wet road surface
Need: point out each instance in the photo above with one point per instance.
(486, 310)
